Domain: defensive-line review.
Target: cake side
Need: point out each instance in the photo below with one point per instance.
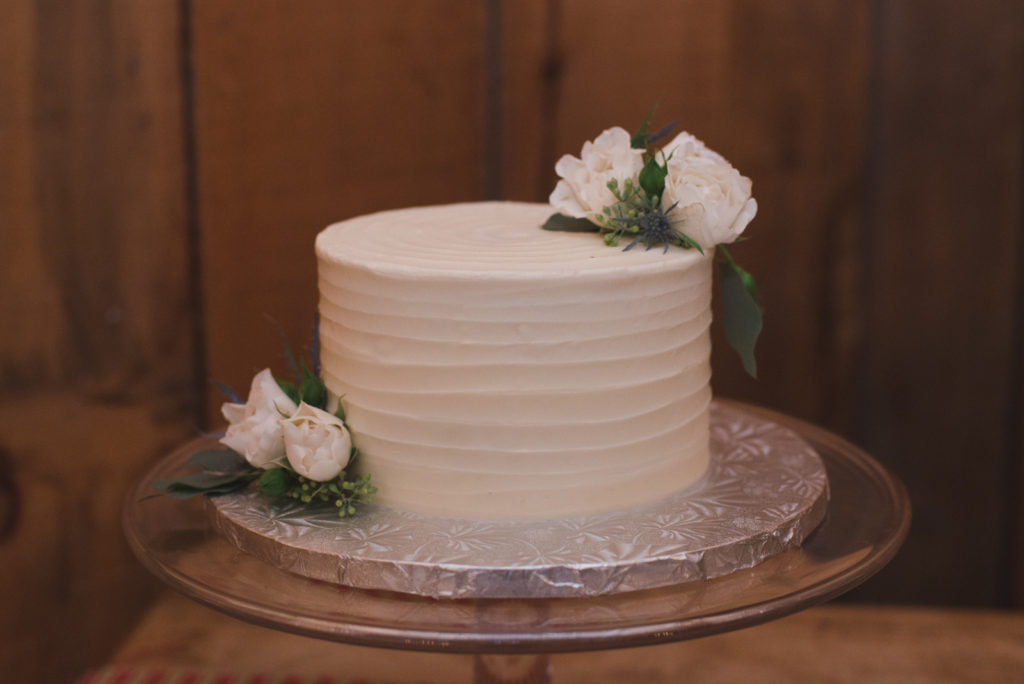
(489, 369)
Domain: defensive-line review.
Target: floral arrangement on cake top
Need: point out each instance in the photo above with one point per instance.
(682, 194)
(284, 438)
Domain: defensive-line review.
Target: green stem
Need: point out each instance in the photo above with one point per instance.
(745, 276)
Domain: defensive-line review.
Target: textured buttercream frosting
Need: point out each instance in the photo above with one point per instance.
(492, 369)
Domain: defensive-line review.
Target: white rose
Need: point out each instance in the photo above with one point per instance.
(687, 146)
(255, 427)
(583, 190)
(712, 199)
(317, 443)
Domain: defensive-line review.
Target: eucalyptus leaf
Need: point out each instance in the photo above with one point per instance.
(570, 224)
(179, 490)
(201, 480)
(741, 315)
(186, 492)
(183, 494)
(218, 461)
(228, 488)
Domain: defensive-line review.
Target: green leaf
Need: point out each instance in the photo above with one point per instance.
(182, 491)
(218, 461)
(288, 356)
(183, 494)
(661, 133)
(741, 315)
(570, 224)
(312, 390)
(227, 488)
(641, 138)
(340, 411)
(276, 482)
(228, 392)
(201, 481)
(290, 389)
(745, 276)
(652, 178)
(748, 281)
(689, 243)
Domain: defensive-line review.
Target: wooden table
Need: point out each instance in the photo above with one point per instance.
(831, 643)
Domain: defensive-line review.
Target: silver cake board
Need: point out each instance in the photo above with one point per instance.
(764, 492)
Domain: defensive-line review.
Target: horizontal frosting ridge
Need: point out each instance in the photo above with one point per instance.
(491, 369)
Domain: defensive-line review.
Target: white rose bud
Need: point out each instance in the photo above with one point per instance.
(583, 191)
(712, 199)
(255, 427)
(317, 443)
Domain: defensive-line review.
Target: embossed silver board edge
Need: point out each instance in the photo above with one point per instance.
(764, 492)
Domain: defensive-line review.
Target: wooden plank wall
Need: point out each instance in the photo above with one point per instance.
(165, 166)
(939, 388)
(96, 363)
(364, 113)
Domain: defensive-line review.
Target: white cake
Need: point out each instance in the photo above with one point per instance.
(492, 369)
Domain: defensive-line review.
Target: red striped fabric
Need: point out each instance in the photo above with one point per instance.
(155, 674)
(127, 674)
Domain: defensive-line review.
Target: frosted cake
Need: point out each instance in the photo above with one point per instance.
(491, 369)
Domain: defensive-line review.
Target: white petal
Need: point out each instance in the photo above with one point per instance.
(614, 137)
(681, 146)
(298, 457)
(565, 201)
(233, 413)
(324, 470)
(745, 216)
(234, 441)
(266, 392)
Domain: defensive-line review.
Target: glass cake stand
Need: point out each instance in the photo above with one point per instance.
(868, 518)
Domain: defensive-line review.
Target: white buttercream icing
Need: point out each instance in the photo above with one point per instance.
(492, 369)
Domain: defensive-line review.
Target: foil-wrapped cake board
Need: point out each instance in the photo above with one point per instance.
(764, 492)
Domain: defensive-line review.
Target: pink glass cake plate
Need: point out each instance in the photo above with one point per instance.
(867, 519)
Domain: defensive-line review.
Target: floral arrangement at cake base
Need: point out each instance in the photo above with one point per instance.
(283, 438)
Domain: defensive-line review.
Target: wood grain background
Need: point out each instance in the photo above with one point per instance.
(164, 167)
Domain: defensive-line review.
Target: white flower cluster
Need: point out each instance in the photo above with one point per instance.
(269, 428)
(713, 201)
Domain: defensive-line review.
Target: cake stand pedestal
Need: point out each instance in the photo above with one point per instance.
(868, 519)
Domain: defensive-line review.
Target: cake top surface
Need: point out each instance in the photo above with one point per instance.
(496, 239)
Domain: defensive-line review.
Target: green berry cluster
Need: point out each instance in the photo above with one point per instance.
(639, 214)
(341, 493)
(623, 216)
